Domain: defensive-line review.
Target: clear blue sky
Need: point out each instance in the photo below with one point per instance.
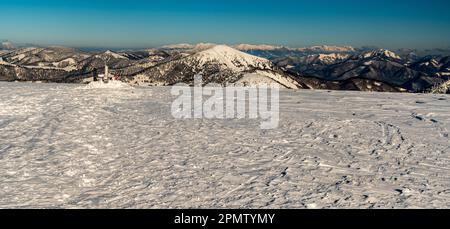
(138, 23)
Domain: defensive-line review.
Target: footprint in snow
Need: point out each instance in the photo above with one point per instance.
(418, 117)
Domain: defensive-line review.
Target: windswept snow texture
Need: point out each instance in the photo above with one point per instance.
(68, 146)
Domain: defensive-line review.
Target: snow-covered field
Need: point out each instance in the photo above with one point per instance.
(72, 146)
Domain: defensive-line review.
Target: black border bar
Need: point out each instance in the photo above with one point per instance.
(217, 218)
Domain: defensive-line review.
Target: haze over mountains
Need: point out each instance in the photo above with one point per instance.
(317, 67)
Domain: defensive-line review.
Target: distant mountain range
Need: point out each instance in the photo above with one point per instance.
(6, 45)
(318, 67)
(402, 73)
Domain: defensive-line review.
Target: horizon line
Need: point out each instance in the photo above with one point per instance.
(280, 46)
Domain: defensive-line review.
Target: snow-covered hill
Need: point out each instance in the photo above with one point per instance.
(219, 64)
(110, 54)
(230, 58)
(59, 57)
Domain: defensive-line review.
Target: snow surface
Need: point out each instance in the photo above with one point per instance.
(266, 78)
(110, 85)
(65, 146)
(253, 80)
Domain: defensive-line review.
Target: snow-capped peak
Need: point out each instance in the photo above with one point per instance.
(332, 56)
(381, 53)
(232, 58)
(333, 48)
(327, 49)
(6, 45)
(247, 47)
(178, 46)
(199, 46)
